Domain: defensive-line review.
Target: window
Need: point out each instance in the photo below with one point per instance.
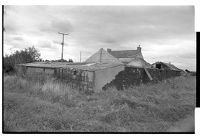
(158, 66)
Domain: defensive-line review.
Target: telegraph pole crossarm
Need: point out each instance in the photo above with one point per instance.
(63, 36)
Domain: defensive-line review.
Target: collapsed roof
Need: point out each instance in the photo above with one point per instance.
(139, 62)
(163, 65)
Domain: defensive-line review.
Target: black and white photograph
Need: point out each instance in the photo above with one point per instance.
(99, 69)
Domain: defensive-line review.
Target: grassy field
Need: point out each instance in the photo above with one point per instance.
(52, 106)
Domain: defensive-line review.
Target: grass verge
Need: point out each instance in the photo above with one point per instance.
(51, 106)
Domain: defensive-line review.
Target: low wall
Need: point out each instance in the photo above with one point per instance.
(135, 76)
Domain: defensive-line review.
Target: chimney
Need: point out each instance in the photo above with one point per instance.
(139, 48)
(108, 50)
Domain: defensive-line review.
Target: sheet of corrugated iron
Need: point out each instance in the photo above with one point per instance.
(81, 66)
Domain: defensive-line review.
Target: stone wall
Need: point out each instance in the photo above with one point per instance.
(135, 76)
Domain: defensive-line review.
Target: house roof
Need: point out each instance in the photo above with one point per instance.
(126, 54)
(102, 56)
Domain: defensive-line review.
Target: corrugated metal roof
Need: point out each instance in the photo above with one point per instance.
(47, 64)
(94, 66)
(65, 65)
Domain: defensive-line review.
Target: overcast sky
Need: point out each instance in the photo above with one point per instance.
(165, 33)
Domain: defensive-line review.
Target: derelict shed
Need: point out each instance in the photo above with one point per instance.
(163, 65)
(84, 76)
(91, 76)
(38, 68)
(132, 76)
(75, 74)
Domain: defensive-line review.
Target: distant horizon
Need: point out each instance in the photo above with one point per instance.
(165, 33)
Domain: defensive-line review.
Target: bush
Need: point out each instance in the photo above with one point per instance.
(23, 56)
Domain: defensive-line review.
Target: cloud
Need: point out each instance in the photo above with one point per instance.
(18, 38)
(45, 44)
(125, 24)
(56, 26)
(162, 31)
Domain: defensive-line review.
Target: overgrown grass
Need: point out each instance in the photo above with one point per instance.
(30, 105)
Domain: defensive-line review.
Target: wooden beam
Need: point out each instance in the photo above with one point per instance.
(148, 73)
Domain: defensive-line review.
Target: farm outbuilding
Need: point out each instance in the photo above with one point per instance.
(103, 69)
(92, 76)
(84, 76)
(132, 76)
(163, 65)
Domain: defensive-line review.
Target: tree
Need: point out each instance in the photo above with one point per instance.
(70, 60)
(19, 57)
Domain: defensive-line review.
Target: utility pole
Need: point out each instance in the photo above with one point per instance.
(80, 56)
(63, 36)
